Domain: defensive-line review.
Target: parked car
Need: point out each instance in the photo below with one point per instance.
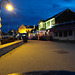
(20, 35)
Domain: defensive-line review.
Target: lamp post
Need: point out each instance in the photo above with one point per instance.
(9, 7)
(38, 35)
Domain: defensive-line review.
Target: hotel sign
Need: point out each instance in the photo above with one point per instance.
(0, 25)
(0, 31)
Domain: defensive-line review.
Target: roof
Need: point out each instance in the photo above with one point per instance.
(30, 27)
(67, 10)
(42, 21)
(26, 26)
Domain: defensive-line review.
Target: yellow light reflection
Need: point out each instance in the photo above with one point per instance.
(15, 74)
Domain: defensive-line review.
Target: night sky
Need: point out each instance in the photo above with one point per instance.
(30, 12)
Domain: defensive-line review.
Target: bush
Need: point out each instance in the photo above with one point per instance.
(8, 40)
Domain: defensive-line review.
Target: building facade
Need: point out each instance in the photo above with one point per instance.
(25, 29)
(61, 26)
(64, 31)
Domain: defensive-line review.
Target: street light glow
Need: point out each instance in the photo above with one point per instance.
(9, 7)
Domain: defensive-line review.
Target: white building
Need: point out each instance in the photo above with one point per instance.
(61, 25)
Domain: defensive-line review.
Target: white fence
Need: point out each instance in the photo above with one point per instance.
(6, 36)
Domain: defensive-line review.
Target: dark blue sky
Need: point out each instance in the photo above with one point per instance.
(30, 12)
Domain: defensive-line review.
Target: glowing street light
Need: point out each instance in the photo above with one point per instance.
(10, 8)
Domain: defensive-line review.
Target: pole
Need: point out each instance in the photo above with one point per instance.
(8, 29)
(0, 24)
(18, 28)
(38, 33)
(0, 18)
(18, 31)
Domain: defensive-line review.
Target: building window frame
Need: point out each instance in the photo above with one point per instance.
(70, 33)
(55, 33)
(65, 34)
(60, 33)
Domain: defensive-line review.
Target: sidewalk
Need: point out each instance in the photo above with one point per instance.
(39, 56)
(5, 48)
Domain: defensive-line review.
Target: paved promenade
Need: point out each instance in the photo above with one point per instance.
(39, 56)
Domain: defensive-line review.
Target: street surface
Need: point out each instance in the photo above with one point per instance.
(39, 56)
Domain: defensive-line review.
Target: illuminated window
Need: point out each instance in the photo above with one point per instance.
(45, 25)
(53, 21)
(48, 23)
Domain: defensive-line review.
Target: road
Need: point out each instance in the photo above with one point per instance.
(39, 56)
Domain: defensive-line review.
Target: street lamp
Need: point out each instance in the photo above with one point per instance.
(38, 34)
(9, 7)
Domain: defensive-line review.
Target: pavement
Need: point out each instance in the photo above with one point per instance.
(39, 56)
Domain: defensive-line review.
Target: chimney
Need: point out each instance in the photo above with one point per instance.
(34, 26)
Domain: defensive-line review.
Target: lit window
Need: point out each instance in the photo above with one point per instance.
(48, 23)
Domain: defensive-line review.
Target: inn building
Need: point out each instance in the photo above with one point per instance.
(26, 29)
(61, 26)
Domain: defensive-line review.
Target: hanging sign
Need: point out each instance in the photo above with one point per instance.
(0, 25)
(0, 31)
(0, 19)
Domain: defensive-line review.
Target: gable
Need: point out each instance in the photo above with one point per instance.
(22, 27)
(65, 12)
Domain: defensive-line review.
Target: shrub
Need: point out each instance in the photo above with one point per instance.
(8, 40)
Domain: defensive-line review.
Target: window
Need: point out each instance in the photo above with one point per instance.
(48, 23)
(65, 33)
(60, 34)
(70, 33)
(53, 21)
(56, 33)
(43, 25)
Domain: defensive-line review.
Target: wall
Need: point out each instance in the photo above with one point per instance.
(64, 38)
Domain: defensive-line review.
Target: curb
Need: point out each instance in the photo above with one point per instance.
(7, 49)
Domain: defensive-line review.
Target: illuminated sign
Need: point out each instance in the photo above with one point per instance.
(0, 25)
